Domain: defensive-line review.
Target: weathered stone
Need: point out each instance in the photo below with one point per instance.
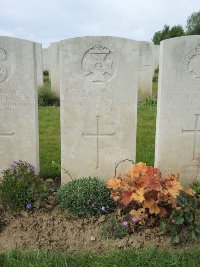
(99, 84)
(18, 102)
(45, 53)
(39, 64)
(146, 69)
(54, 68)
(178, 119)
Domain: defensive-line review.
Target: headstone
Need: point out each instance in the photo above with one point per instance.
(54, 68)
(99, 84)
(39, 65)
(157, 55)
(146, 69)
(18, 102)
(45, 53)
(178, 118)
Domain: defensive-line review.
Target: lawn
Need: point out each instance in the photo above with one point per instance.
(116, 258)
(49, 128)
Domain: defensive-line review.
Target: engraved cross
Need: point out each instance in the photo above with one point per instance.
(97, 135)
(196, 131)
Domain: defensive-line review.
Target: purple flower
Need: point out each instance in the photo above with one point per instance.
(125, 223)
(29, 206)
(52, 190)
(32, 168)
(103, 209)
(133, 219)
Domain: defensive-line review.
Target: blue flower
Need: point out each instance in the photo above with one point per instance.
(29, 206)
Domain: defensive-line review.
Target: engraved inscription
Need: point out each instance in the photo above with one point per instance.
(196, 131)
(192, 61)
(97, 134)
(3, 68)
(98, 64)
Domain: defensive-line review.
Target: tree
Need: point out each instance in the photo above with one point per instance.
(193, 24)
(167, 33)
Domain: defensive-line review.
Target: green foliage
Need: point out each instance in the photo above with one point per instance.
(21, 188)
(47, 98)
(114, 229)
(149, 101)
(85, 197)
(181, 221)
(193, 24)
(196, 187)
(167, 33)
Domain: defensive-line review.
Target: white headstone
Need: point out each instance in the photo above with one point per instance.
(39, 65)
(178, 118)
(99, 84)
(157, 55)
(45, 53)
(18, 102)
(146, 69)
(54, 68)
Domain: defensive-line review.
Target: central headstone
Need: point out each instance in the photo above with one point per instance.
(99, 83)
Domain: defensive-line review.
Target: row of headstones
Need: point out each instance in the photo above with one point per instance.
(148, 62)
(98, 88)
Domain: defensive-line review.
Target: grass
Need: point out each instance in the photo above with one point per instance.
(116, 258)
(49, 132)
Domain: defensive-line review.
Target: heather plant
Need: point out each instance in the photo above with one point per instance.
(112, 228)
(21, 188)
(144, 198)
(85, 197)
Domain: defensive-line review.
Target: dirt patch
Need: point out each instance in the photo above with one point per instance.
(55, 232)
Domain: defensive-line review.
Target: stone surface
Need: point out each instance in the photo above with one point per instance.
(45, 53)
(99, 84)
(54, 68)
(156, 56)
(146, 69)
(39, 64)
(178, 118)
(18, 102)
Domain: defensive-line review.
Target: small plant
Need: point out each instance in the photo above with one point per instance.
(146, 197)
(85, 197)
(114, 229)
(47, 98)
(21, 188)
(196, 187)
(149, 101)
(181, 222)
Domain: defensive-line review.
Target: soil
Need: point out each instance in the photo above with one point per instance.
(56, 232)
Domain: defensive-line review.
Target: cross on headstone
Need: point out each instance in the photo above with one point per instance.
(6, 134)
(195, 132)
(97, 135)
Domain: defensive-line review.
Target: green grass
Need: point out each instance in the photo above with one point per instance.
(49, 132)
(117, 258)
(146, 127)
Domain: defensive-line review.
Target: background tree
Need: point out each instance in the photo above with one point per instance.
(193, 24)
(167, 33)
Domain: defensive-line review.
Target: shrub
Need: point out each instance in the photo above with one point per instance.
(114, 229)
(85, 197)
(21, 188)
(47, 98)
(145, 198)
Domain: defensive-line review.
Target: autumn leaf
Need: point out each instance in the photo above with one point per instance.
(173, 187)
(126, 198)
(115, 196)
(113, 183)
(149, 181)
(139, 214)
(138, 195)
(151, 205)
(138, 170)
(189, 191)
